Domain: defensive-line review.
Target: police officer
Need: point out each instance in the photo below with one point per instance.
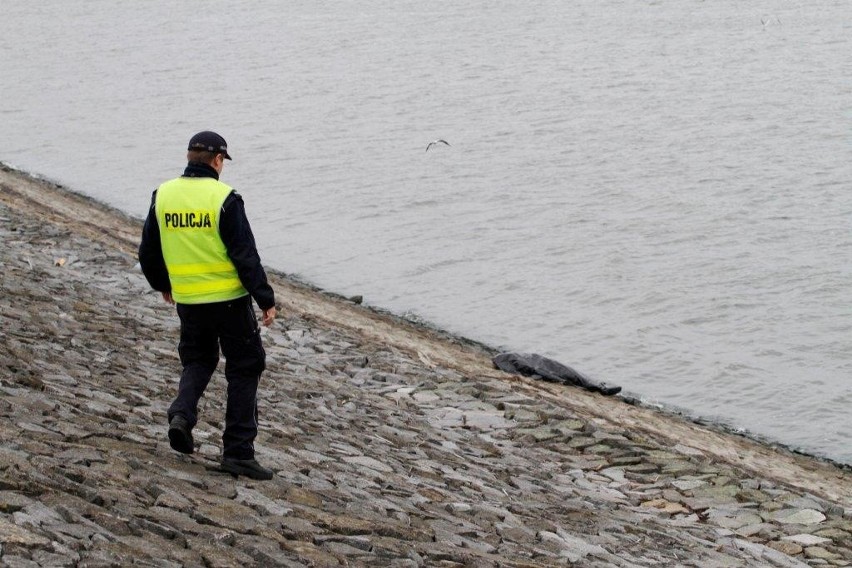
(199, 251)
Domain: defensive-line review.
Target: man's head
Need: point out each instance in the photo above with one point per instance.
(208, 148)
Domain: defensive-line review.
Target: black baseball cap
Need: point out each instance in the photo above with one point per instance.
(209, 142)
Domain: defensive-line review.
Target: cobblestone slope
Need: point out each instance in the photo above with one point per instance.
(387, 451)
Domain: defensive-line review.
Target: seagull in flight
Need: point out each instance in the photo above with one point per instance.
(768, 19)
(435, 143)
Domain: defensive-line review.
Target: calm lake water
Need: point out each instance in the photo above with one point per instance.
(655, 193)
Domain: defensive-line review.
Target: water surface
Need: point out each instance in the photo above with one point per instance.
(655, 193)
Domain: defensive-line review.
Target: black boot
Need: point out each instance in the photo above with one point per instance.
(249, 468)
(180, 435)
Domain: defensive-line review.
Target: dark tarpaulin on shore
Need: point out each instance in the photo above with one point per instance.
(536, 366)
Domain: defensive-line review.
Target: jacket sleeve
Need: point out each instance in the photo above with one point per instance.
(239, 241)
(151, 253)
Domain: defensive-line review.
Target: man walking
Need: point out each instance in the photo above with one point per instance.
(199, 251)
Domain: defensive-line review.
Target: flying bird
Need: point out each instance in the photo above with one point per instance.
(768, 20)
(435, 143)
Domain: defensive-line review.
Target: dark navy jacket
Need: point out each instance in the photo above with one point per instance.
(236, 233)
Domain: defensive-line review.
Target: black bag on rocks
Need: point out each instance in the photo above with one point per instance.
(538, 367)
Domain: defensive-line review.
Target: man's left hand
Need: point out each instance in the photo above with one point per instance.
(269, 316)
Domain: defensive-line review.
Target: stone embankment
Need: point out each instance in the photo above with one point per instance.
(393, 445)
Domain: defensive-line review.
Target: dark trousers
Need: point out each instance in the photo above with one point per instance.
(203, 328)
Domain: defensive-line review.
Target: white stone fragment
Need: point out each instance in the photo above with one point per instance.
(577, 548)
(486, 420)
(615, 474)
(806, 539)
(802, 517)
(688, 484)
(369, 462)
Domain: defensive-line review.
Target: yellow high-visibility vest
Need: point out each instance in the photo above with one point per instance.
(199, 268)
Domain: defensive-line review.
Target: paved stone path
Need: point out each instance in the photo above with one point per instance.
(383, 457)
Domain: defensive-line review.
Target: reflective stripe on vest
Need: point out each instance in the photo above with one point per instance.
(188, 215)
